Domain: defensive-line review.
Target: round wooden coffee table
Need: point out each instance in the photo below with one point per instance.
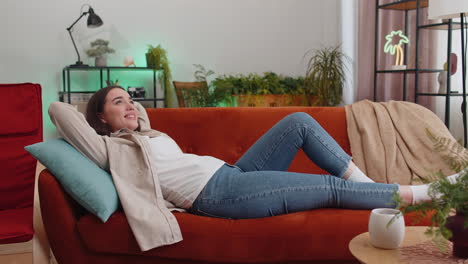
(361, 248)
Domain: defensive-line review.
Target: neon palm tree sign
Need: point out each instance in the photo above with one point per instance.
(396, 37)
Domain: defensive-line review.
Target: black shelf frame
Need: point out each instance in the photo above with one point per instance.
(410, 71)
(67, 91)
(406, 6)
(449, 26)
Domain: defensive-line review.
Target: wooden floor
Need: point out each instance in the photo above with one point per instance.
(22, 258)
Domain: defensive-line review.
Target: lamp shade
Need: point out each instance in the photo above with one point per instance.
(447, 8)
(93, 19)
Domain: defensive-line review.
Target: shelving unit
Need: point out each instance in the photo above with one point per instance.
(449, 26)
(65, 95)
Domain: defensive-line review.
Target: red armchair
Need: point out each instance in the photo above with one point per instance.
(21, 125)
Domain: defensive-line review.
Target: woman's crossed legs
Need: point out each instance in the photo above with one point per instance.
(259, 185)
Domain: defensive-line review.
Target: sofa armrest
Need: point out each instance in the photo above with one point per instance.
(40, 244)
(59, 215)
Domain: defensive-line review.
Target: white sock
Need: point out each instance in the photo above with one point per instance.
(421, 192)
(358, 176)
(454, 177)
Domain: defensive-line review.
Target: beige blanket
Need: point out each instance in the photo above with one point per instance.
(389, 141)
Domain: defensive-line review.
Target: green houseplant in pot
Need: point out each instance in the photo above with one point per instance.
(156, 58)
(448, 209)
(269, 89)
(325, 75)
(99, 48)
(204, 94)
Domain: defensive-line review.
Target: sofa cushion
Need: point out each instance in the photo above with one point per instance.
(16, 225)
(17, 173)
(293, 237)
(89, 185)
(23, 109)
(240, 128)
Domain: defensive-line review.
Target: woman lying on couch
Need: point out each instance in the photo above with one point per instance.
(148, 168)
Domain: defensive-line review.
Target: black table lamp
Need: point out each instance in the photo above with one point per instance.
(93, 22)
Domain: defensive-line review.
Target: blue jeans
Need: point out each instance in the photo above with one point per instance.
(258, 185)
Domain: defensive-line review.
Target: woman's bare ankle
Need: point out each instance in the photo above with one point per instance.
(349, 170)
(354, 174)
(406, 194)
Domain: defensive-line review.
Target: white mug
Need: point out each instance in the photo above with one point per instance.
(382, 233)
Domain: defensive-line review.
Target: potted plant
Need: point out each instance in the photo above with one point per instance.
(98, 49)
(202, 94)
(448, 209)
(156, 58)
(269, 89)
(325, 75)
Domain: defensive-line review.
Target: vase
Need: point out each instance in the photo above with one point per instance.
(386, 228)
(459, 235)
(149, 60)
(100, 62)
(442, 79)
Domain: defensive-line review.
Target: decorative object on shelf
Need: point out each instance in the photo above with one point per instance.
(128, 61)
(442, 78)
(448, 198)
(136, 92)
(93, 22)
(454, 9)
(392, 48)
(99, 48)
(156, 58)
(325, 75)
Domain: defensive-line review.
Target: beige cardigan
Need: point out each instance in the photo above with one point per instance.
(126, 156)
(389, 141)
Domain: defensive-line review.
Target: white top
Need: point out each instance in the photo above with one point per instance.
(182, 176)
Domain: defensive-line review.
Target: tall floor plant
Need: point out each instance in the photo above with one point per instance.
(325, 75)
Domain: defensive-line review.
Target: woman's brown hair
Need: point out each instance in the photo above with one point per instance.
(96, 107)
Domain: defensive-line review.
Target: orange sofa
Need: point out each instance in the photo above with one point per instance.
(321, 236)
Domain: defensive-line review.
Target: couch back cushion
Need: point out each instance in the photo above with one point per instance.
(21, 115)
(227, 133)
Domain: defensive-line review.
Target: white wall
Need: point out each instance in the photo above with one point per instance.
(227, 36)
(349, 29)
(456, 119)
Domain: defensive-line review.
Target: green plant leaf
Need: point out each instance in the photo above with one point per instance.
(158, 56)
(325, 74)
(447, 197)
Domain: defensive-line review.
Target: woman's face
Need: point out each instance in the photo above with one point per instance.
(119, 111)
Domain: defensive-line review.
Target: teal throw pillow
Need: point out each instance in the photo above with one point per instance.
(89, 185)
